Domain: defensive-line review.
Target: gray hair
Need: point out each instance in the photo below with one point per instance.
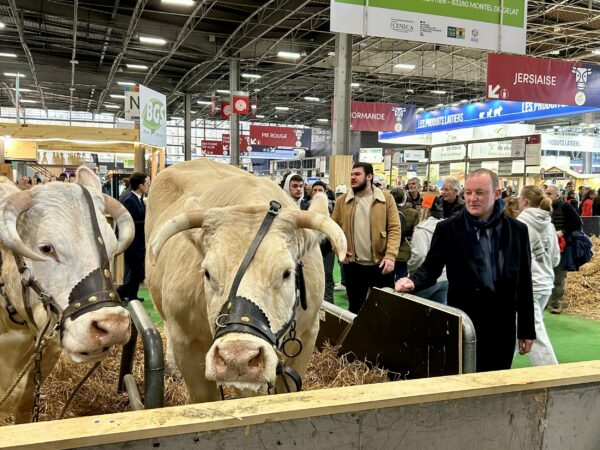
(453, 182)
(553, 187)
(417, 179)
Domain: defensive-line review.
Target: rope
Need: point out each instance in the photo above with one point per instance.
(22, 372)
(76, 390)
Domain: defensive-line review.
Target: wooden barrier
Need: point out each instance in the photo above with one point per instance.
(552, 407)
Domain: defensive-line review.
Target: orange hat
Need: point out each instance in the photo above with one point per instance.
(428, 201)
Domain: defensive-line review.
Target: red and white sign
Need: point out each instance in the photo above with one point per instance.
(243, 143)
(368, 116)
(212, 147)
(225, 110)
(540, 80)
(276, 136)
(241, 103)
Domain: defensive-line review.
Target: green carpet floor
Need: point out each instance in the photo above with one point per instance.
(574, 338)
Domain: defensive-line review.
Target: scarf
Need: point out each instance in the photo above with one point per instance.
(489, 263)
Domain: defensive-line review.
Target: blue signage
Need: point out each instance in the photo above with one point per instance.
(486, 113)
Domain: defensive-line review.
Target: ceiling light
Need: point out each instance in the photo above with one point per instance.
(12, 74)
(410, 91)
(323, 120)
(112, 106)
(331, 54)
(464, 101)
(254, 76)
(420, 109)
(116, 96)
(178, 2)
(126, 83)
(176, 118)
(22, 89)
(454, 104)
(203, 102)
(8, 55)
(312, 99)
(282, 108)
(222, 91)
(24, 100)
(260, 116)
(556, 127)
(438, 92)
(152, 40)
(555, 52)
(290, 55)
(354, 84)
(2, 25)
(439, 105)
(405, 66)
(137, 66)
(583, 124)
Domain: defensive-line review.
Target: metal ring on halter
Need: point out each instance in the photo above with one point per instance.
(217, 320)
(288, 340)
(26, 280)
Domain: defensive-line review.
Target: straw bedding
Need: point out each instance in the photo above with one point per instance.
(582, 294)
(99, 396)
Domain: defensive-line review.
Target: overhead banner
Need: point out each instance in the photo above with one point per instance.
(486, 113)
(209, 147)
(153, 121)
(244, 145)
(542, 80)
(280, 136)
(369, 116)
(132, 103)
(464, 23)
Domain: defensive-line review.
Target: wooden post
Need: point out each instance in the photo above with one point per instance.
(138, 157)
(340, 167)
(153, 163)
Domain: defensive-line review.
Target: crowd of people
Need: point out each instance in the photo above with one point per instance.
(500, 257)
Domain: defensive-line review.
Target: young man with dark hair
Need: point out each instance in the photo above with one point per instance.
(369, 218)
(136, 253)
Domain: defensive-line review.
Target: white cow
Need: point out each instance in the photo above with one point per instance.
(200, 220)
(50, 227)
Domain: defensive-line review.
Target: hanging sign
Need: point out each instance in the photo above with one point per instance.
(132, 103)
(280, 136)
(463, 23)
(542, 80)
(225, 110)
(240, 102)
(210, 147)
(153, 120)
(369, 116)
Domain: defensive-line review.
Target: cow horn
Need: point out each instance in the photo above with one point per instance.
(179, 223)
(10, 210)
(322, 223)
(124, 221)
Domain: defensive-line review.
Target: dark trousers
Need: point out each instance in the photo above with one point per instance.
(359, 279)
(328, 261)
(134, 275)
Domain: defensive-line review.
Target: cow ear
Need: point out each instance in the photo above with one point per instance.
(88, 179)
(192, 204)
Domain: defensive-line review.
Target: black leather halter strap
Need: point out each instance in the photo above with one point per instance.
(242, 315)
(97, 289)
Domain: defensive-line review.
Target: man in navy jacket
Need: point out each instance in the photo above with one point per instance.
(488, 263)
(135, 254)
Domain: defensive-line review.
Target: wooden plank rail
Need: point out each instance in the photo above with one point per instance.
(171, 423)
(21, 131)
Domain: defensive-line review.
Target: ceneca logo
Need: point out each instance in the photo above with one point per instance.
(401, 26)
(398, 114)
(298, 132)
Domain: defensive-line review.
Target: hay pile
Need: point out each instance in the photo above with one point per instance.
(582, 293)
(99, 394)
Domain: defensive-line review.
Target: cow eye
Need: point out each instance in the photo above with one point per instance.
(287, 274)
(48, 250)
(207, 275)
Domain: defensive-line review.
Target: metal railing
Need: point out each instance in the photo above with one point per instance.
(154, 368)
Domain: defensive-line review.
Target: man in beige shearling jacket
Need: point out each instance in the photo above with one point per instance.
(369, 218)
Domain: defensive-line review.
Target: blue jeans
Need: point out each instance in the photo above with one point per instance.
(437, 293)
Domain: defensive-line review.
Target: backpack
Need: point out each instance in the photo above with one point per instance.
(579, 251)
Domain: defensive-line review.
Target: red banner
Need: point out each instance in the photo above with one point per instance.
(367, 116)
(225, 110)
(212, 148)
(243, 143)
(539, 80)
(241, 104)
(277, 136)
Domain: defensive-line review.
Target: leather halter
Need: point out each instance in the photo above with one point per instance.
(94, 291)
(242, 315)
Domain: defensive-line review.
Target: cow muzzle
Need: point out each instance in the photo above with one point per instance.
(243, 361)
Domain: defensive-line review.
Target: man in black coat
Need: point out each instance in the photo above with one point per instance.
(136, 253)
(488, 263)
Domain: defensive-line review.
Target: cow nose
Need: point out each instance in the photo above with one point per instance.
(238, 360)
(110, 330)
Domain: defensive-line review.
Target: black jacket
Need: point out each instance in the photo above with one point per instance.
(138, 214)
(492, 314)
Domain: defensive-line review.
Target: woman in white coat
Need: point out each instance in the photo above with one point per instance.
(545, 255)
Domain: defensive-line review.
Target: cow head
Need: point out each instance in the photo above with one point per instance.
(223, 236)
(50, 227)
(581, 76)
